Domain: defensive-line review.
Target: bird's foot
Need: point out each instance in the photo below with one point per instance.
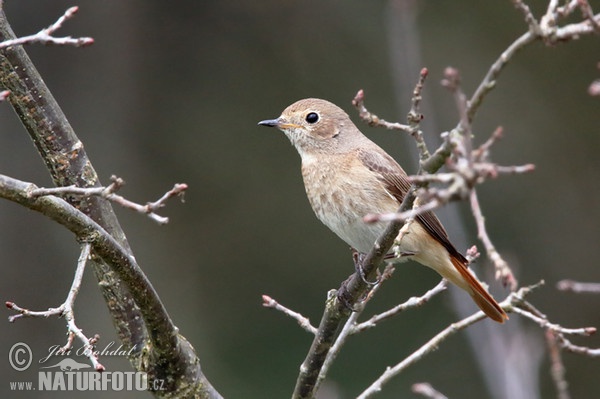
(358, 259)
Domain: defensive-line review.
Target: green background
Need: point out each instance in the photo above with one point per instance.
(171, 92)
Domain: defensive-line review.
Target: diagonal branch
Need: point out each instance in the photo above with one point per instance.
(141, 321)
(168, 356)
(67, 161)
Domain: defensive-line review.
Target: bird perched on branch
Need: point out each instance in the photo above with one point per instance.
(347, 176)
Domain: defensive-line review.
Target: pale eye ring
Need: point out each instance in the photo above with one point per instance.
(312, 117)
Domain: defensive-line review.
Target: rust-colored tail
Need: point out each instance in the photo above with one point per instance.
(480, 296)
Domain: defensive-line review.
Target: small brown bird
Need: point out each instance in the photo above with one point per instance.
(347, 176)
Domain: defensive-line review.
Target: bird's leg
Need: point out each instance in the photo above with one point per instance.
(344, 297)
(358, 258)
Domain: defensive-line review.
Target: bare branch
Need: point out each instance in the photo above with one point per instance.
(373, 120)
(410, 303)
(108, 193)
(503, 271)
(339, 304)
(489, 81)
(349, 326)
(580, 350)
(467, 168)
(578, 287)
(509, 304)
(546, 30)
(534, 26)
(414, 116)
(165, 351)
(547, 325)
(45, 35)
(417, 355)
(304, 322)
(588, 14)
(66, 310)
(594, 89)
(557, 368)
(426, 390)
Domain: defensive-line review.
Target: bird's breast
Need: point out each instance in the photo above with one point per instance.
(341, 194)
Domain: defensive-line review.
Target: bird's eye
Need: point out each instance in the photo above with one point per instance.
(312, 117)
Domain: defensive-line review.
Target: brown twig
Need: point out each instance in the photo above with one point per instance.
(45, 35)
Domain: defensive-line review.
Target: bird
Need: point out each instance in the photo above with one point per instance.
(347, 176)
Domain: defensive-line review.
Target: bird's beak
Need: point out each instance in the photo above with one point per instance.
(279, 123)
(270, 122)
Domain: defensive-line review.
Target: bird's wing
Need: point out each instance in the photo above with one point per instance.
(396, 183)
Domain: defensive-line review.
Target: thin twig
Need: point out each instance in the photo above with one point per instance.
(339, 304)
(164, 337)
(66, 310)
(503, 271)
(373, 120)
(108, 193)
(557, 368)
(45, 35)
(415, 116)
(410, 303)
(509, 304)
(578, 287)
(489, 81)
(304, 322)
(580, 350)
(534, 26)
(588, 14)
(417, 355)
(547, 325)
(350, 326)
(426, 390)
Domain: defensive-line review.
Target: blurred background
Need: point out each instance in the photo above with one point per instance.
(172, 91)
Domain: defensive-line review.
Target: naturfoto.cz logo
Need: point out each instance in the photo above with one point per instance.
(70, 375)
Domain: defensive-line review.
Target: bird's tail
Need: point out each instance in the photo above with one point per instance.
(480, 296)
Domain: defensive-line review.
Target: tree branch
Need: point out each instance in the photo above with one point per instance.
(304, 322)
(66, 310)
(142, 323)
(578, 287)
(339, 304)
(108, 193)
(45, 35)
(168, 356)
(426, 390)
